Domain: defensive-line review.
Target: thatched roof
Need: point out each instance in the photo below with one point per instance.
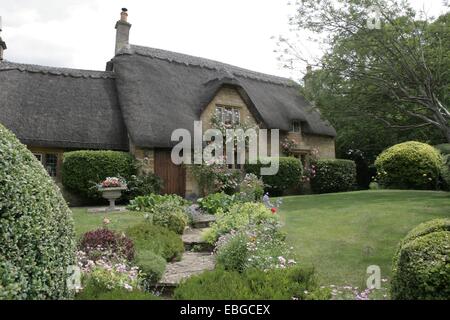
(160, 91)
(63, 108)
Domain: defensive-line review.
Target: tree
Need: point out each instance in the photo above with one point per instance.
(394, 70)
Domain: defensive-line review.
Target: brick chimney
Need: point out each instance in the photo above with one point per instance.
(2, 43)
(123, 31)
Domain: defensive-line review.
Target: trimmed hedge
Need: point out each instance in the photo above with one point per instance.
(289, 175)
(409, 165)
(81, 169)
(36, 227)
(333, 175)
(420, 267)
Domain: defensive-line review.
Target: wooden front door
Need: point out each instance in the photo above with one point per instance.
(173, 176)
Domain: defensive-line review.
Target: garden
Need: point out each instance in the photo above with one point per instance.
(243, 239)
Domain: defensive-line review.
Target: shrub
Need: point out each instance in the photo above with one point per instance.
(277, 284)
(215, 201)
(333, 175)
(81, 169)
(149, 202)
(95, 243)
(170, 216)
(93, 291)
(251, 188)
(409, 165)
(213, 178)
(257, 246)
(443, 148)
(289, 174)
(143, 185)
(168, 211)
(239, 216)
(157, 239)
(152, 266)
(36, 227)
(420, 268)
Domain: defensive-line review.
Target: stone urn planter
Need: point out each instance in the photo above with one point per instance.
(112, 194)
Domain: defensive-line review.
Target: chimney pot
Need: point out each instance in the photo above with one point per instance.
(124, 15)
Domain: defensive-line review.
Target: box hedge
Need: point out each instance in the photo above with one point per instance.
(333, 175)
(409, 165)
(36, 227)
(82, 169)
(289, 174)
(421, 264)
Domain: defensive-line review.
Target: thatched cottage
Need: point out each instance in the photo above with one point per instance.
(143, 95)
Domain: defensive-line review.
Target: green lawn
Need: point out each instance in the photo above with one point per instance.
(119, 221)
(341, 234)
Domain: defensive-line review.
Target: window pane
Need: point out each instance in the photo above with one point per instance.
(219, 113)
(295, 126)
(51, 162)
(228, 119)
(236, 116)
(38, 156)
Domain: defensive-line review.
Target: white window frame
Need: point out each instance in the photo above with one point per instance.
(235, 113)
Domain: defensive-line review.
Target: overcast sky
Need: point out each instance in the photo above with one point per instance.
(80, 33)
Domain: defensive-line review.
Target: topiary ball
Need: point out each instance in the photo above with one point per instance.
(36, 227)
(409, 165)
(421, 268)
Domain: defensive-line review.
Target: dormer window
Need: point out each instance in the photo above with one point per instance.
(228, 115)
(296, 126)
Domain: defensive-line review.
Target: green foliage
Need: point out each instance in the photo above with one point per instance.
(409, 165)
(420, 268)
(333, 175)
(151, 264)
(251, 188)
(239, 216)
(213, 178)
(168, 211)
(289, 174)
(82, 169)
(93, 291)
(362, 92)
(144, 184)
(215, 201)
(444, 148)
(36, 227)
(277, 284)
(148, 203)
(157, 239)
(257, 246)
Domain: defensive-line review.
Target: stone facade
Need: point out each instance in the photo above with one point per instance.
(230, 97)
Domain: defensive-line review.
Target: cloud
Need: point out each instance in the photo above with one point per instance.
(80, 33)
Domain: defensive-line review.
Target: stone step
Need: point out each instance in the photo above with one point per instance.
(201, 221)
(191, 263)
(192, 239)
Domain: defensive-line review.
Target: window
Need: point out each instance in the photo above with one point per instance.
(51, 163)
(296, 126)
(38, 156)
(228, 115)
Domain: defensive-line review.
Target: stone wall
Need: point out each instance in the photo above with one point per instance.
(325, 145)
(146, 158)
(227, 97)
